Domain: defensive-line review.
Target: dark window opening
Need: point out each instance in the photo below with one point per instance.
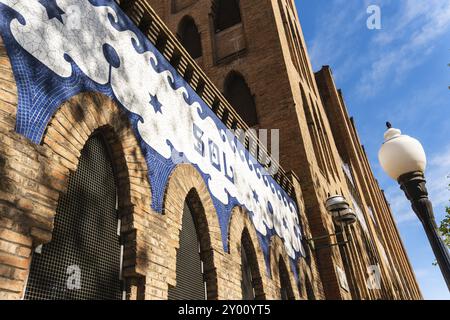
(127, 6)
(289, 37)
(145, 24)
(286, 291)
(241, 99)
(226, 13)
(82, 261)
(190, 283)
(251, 282)
(248, 292)
(190, 37)
(309, 290)
(313, 132)
(327, 146)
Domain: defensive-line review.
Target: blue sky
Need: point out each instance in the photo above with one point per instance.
(399, 73)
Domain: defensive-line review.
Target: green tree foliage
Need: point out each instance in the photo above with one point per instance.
(445, 227)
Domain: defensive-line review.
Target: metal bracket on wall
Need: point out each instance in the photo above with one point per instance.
(311, 242)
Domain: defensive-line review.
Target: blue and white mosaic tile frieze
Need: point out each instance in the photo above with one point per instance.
(60, 48)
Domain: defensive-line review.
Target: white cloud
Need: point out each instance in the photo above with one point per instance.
(422, 272)
(401, 207)
(438, 180)
(430, 283)
(405, 43)
(399, 24)
(410, 29)
(335, 24)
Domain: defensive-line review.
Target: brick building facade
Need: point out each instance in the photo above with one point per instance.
(247, 61)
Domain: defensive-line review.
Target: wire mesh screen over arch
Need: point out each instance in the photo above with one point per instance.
(190, 282)
(82, 261)
(248, 292)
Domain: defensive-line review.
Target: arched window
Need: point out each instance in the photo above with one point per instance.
(226, 13)
(190, 283)
(310, 294)
(286, 291)
(309, 289)
(289, 36)
(248, 292)
(251, 283)
(83, 259)
(190, 37)
(313, 132)
(325, 142)
(240, 97)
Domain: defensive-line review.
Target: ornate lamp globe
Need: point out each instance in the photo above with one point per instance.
(340, 210)
(336, 203)
(400, 154)
(404, 160)
(346, 217)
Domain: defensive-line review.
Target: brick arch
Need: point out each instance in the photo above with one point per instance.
(41, 174)
(307, 285)
(240, 225)
(310, 285)
(239, 72)
(77, 119)
(277, 252)
(186, 184)
(190, 37)
(238, 92)
(66, 134)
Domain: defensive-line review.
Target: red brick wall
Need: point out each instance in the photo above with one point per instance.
(32, 177)
(269, 68)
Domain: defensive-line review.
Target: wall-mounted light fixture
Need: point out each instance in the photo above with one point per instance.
(342, 214)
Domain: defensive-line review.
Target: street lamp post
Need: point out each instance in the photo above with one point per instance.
(404, 160)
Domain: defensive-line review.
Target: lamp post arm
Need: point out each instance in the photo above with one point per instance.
(414, 186)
